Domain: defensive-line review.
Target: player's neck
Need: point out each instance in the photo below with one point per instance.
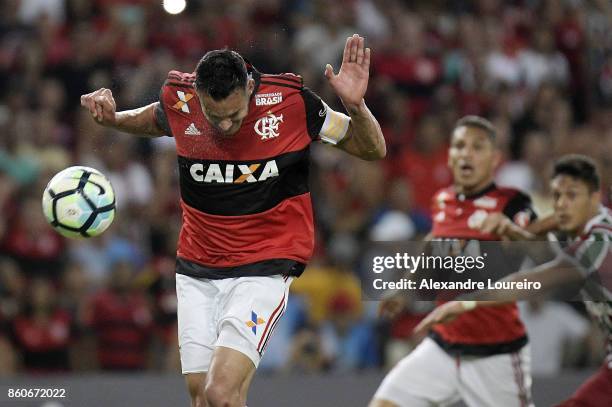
(594, 213)
(475, 189)
(582, 228)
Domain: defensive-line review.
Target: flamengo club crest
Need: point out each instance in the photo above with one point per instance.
(267, 126)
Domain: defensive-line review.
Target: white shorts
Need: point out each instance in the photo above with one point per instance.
(431, 377)
(237, 313)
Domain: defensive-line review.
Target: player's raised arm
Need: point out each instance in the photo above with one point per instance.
(103, 109)
(364, 137)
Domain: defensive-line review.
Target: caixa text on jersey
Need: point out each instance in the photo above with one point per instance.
(233, 173)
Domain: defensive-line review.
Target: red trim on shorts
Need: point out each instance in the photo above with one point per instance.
(278, 318)
(270, 321)
(519, 378)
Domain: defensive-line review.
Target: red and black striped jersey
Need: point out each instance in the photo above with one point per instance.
(245, 198)
(485, 330)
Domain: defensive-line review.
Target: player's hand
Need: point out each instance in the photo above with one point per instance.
(543, 226)
(499, 224)
(445, 313)
(392, 306)
(351, 82)
(495, 223)
(101, 105)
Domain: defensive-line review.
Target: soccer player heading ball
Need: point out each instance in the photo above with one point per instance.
(242, 140)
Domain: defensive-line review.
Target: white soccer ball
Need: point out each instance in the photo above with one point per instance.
(79, 202)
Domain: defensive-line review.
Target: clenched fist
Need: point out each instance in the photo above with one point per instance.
(101, 105)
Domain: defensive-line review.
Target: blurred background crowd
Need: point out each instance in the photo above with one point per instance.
(540, 70)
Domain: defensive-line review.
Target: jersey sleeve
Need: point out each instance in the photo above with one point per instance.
(324, 123)
(520, 210)
(592, 254)
(174, 79)
(315, 112)
(160, 114)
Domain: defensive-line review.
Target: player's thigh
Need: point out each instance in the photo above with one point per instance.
(497, 381)
(426, 377)
(250, 310)
(196, 309)
(230, 370)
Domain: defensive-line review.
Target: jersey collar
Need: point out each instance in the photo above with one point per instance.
(484, 191)
(253, 73)
(597, 219)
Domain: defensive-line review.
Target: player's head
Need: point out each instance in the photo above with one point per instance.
(224, 89)
(473, 155)
(575, 188)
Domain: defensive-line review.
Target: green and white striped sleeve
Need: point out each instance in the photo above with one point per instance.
(594, 252)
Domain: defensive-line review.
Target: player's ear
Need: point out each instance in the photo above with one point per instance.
(497, 157)
(596, 198)
(449, 163)
(250, 86)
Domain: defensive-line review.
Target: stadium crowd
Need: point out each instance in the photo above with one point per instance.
(540, 70)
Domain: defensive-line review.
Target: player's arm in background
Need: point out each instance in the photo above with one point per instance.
(555, 274)
(143, 121)
(517, 221)
(393, 302)
(499, 224)
(572, 265)
(360, 135)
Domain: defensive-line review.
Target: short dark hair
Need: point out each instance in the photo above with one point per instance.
(220, 72)
(580, 167)
(478, 122)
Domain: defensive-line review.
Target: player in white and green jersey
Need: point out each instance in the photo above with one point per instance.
(586, 260)
(592, 254)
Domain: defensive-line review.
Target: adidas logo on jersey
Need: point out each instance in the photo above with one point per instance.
(233, 173)
(192, 130)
